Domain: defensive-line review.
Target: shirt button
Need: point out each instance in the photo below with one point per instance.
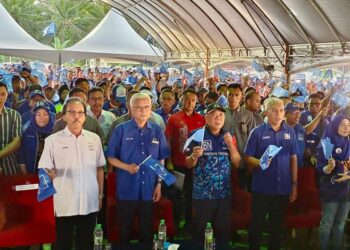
(143, 153)
(143, 172)
(141, 143)
(143, 182)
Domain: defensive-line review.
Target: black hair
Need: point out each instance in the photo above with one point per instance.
(76, 90)
(5, 86)
(95, 89)
(235, 86)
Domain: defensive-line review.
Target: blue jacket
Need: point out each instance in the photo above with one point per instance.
(27, 154)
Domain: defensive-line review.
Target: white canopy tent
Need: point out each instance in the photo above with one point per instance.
(15, 41)
(113, 38)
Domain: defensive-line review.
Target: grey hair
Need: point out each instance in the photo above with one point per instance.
(270, 102)
(70, 100)
(139, 96)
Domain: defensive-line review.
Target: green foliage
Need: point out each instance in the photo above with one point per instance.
(74, 19)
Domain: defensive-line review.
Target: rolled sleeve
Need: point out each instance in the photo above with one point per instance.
(250, 149)
(47, 158)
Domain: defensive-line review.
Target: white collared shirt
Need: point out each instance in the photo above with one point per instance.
(105, 119)
(76, 160)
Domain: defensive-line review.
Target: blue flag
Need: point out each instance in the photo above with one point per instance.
(50, 29)
(222, 100)
(257, 66)
(300, 99)
(159, 169)
(328, 75)
(269, 153)
(198, 136)
(46, 188)
(279, 92)
(189, 77)
(327, 147)
(341, 99)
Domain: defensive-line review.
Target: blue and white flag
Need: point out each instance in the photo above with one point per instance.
(327, 147)
(279, 92)
(341, 99)
(269, 153)
(189, 77)
(159, 169)
(50, 29)
(222, 100)
(46, 188)
(198, 136)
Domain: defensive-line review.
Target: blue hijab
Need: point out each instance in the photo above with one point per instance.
(48, 128)
(341, 150)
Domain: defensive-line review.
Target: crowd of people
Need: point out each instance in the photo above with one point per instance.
(103, 122)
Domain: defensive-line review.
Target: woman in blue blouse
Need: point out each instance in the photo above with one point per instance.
(334, 184)
(33, 139)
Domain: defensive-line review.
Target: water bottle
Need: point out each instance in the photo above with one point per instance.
(98, 237)
(155, 242)
(161, 234)
(208, 237)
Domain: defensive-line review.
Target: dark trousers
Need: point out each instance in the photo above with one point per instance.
(275, 207)
(126, 213)
(183, 199)
(244, 179)
(218, 213)
(84, 229)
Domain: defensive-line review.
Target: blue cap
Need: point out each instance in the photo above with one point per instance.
(36, 92)
(290, 108)
(41, 105)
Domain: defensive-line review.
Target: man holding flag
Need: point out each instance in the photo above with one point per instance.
(177, 130)
(138, 186)
(211, 159)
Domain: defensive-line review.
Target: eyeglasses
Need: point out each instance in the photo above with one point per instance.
(139, 108)
(75, 113)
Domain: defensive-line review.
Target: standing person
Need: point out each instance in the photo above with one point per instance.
(334, 184)
(179, 126)
(10, 135)
(95, 101)
(211, 177)
(167, 101)
(137, 186)
(312, 140)
(274, 186)
(90, 123)
(32, 144)
(239, 122)
(78, 178)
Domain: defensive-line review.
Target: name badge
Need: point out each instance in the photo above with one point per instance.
(91, 146)
(287, 136)
(155, 141)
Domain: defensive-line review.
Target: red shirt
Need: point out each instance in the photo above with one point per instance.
(177, 130)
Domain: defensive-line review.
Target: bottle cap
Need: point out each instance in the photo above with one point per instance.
(208, 224)
(162, 221)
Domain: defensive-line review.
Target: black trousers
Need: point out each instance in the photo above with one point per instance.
(84, 229)
(275, 206)
(218, 213)
(127, 210)
(183, 199)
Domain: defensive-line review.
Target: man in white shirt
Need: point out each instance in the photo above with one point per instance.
(74, 159)
(95, 101)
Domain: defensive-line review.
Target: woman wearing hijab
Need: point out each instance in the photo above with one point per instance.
(33, 139)
(334, 184)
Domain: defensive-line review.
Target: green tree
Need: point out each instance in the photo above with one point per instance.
(74, 19)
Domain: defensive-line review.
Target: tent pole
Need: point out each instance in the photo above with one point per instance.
(286, 62)
(207, 64)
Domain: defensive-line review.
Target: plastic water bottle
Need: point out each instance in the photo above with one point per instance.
(155, 242)
(98, 237)
(208, 237)
(161, 234)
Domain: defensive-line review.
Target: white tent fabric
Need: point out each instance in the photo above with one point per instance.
(113, 38)
(15, 41)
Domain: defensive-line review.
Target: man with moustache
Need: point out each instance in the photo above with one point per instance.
(78, 178)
